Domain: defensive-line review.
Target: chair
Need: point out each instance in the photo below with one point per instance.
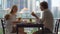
(3, 26)
(57, 26)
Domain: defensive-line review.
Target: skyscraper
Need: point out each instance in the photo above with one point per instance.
(26, 3)
(49, 4)
(33, 5)
(59, 12)
(55, 12)
(23, 3)
(9, 3)
(0, 4)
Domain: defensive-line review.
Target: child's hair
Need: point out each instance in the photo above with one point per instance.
(7, 16)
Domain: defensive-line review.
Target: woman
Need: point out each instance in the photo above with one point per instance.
(10, 19)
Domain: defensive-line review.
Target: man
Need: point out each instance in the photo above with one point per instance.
(47, 19)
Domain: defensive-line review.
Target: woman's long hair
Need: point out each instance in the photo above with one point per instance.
(13, 8)
(8, 16)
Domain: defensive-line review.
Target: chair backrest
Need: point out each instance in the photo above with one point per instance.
(3, 26)
(56, 27)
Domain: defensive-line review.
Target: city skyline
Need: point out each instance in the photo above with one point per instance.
(29, 4)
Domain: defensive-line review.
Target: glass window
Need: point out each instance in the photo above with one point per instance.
(0, 2)
(32, 5)
(55, 8)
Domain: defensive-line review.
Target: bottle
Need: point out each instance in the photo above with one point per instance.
(30, 20)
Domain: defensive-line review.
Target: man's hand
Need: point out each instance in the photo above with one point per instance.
(33, 14)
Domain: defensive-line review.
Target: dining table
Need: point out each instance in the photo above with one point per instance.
(19, 25)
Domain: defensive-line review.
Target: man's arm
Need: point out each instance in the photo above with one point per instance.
(33, 14)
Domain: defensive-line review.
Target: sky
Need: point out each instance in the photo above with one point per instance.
(55, 3)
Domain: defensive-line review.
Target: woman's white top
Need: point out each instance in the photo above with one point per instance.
(9, 22)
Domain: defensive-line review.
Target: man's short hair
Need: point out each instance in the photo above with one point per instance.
(44, 4)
